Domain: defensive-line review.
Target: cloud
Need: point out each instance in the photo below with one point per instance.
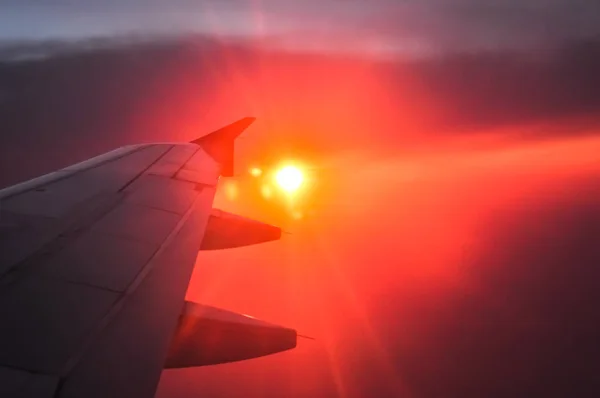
(119, 93)
(406, 27)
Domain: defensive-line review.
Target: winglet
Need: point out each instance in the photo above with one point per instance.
(220, 143)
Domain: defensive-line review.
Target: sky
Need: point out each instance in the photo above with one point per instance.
(383, 27)
(453, 247)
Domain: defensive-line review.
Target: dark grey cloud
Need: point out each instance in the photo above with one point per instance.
(384, 26)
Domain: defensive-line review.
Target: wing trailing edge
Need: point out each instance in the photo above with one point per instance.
(220, 144)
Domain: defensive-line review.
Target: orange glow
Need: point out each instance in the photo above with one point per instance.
(289, 178)
(255, 172)
(430, 242)
(403, 214)
(266, 191)
(231, 190)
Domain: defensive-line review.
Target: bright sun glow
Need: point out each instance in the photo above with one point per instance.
(289, 178)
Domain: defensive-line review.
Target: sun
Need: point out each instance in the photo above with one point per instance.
(289, 178)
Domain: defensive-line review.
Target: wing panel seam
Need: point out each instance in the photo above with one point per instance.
(174, 176)
(63, 174)
(62, 235)
(141, 173)
(121, 300)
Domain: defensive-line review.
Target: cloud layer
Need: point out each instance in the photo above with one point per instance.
(383, 27)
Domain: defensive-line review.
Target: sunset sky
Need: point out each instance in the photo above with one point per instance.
(452, 249)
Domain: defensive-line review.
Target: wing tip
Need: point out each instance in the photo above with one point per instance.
(220, 143)
(229, 132)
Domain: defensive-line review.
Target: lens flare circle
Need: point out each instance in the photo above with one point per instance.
(255, 172)
(289, 178)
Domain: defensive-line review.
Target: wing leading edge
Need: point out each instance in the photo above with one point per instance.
(95, 260)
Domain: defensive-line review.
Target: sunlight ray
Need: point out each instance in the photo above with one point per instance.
(349, 296)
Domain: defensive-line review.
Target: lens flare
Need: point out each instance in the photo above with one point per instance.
(255, 172)
(266, 191)
(231, 190)
(289, 178)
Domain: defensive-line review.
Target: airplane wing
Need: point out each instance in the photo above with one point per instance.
(95, 261)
